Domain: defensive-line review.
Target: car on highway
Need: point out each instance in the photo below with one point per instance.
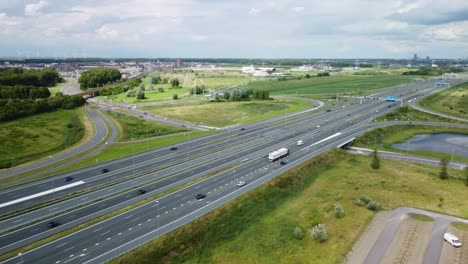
(241, 183)
(200, 196)
(52, 224)
(104, 170)
(141, 191)
(283, 162)
(242, 128)
(68, 178)
(173, 148)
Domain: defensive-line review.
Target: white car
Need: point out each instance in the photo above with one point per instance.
(241, 183)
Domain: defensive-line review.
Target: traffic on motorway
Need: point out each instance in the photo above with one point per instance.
(243, 152)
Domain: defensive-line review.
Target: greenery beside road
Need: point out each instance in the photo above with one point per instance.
(451, 101)
(131, 127)
(221, 114)
(343, 84)
(37, 136)
(259, 226)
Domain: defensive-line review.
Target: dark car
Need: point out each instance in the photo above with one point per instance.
(52, 224)
(283, 162)
(200, 196)
(104, 170)
(328, 110)
(174, 148)
(242, 128)
(140, 192)
(68, 178)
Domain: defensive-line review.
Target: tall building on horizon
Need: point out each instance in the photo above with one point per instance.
(415, 56)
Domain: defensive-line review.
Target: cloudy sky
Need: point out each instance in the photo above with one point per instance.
(238, 28)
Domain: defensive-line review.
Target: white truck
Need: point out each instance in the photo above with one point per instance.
(278, 154)
(452, 239)
(300, 142)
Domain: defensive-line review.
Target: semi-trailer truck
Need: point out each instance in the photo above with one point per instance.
(278, 154)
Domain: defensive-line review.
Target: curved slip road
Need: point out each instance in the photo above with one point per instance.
(101, 133)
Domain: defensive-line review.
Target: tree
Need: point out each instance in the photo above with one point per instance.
(375, 160)
(141, 87)
(161, 89)
(319, 232)
(307, 76)
(298, 233)
(339, 211)
(443, 174)
(175, 96)
(175, 82)
(98, 77)
(140, 94)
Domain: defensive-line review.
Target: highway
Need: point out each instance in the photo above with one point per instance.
(257, 140)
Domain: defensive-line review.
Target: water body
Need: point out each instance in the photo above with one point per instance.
(442, 143)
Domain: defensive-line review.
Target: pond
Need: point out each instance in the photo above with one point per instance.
(456, 144)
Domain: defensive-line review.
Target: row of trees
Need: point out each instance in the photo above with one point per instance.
(23, 92)
(29, 77)
(98, 77)
(11, 109)
(245, 94)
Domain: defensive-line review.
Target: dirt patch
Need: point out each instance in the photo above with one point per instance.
(367, 240)
(409, 243)
(453, 255)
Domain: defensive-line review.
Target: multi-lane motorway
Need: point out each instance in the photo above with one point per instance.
(243, 151)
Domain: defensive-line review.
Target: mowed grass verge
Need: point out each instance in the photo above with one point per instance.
(131, 127)
(331, 85)
(258, 227)
(452, 101)
(37, 136)
(220, 114)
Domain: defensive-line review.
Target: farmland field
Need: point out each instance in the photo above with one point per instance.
(330, 85)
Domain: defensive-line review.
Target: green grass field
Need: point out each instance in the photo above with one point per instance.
(407, 113)
(258, 227)
(331, 85)
(452, 101)
(38, 136)
(136, 128)
(220, 114)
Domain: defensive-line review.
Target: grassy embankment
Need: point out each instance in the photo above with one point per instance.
(220, 114)
(407, 113)
(452, 101)
(37, 136)
(133, 128)
(258, 226)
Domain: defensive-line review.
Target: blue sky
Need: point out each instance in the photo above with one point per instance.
(231, 29)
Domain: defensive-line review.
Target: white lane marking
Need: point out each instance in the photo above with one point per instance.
(68, 249)
(97, 229)
(18, 220)
(62, 244)
(29, 197)
(325, 139)
(105, 233)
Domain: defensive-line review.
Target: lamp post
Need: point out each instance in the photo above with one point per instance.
(157, 217)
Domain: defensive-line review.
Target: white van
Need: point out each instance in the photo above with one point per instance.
(452, 239)
(300, 143)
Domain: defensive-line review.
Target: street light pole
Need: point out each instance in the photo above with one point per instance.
(157, 217)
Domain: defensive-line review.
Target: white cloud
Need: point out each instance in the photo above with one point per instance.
(107, 32)
(34, 9)
(254, 11)
(298, 9)
(199, 38)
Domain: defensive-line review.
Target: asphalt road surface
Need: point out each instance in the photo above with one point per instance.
(320, 132)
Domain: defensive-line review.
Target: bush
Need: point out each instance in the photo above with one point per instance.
(319, 233)
(365, 199)
(339, 211)
(358, 202)
(373, 206)
(175, 96)
(298, 233)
